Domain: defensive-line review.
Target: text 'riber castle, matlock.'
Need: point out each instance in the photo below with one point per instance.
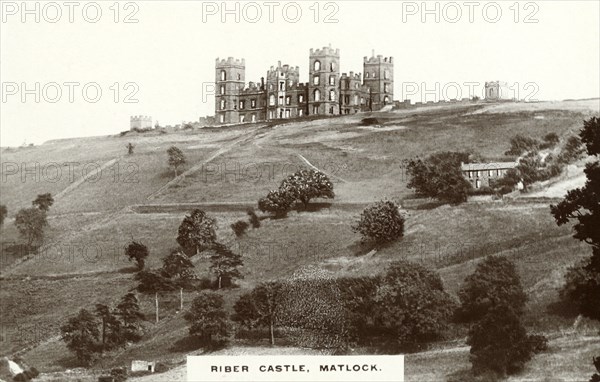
(283, 96)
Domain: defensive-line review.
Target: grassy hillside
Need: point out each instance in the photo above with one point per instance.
(82, 261)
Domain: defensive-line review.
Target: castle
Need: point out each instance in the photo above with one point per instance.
(283, 96)
(498, 91)
(140, 122)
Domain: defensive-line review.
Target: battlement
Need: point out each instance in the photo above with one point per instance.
(351, 76)
(379, 59)
(252, 88)
(285, 68)
(140, 118)
(230, 61)
(326, 51)
(496, 83)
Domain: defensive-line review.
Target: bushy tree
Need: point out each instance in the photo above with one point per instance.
(439, 176)
(520, 144)
(260, 307)
(550, 140)
(381, 222)
(138, 252)
(500, 344)
(31, 223)
(224, 263)
(81, 335)
(129, 313)
(176, 158)
(278, 202)
(178, 266)
(507, 183)
(111, 331)
(254, 220)
(153, 282)
(494, 282)
(3, 213)
(197, 231)
(412, 305)
(572, 150)
(207, 317)
(43, 202)
(239, 227)
(583, 205)
(305, 185)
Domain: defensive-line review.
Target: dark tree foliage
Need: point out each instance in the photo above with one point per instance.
(43, 202)
(305, 185)
(412, 304)
(260, 307)
(507, 183)
(494, 282)
(583, 206)
(550, 140)
(31, 223)
(278, 202)
(179, 268)
(153, 282)
(500, 344)
(176, 158)
(81, 334)
(358, 298)
(239, 227)
(224, 263)
(111, 331)
(207, 317)
(254, 220)
(596, 376)
(439, 176)
(571, 151)
(129, 313)
(380, 222)
(137, 252)
(197, 231)
(520, 144)
(3, 213)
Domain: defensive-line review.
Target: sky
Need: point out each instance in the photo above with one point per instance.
(83, 68)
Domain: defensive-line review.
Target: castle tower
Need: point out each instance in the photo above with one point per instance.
(140, 122)
(286, 97)
(323, 85)
(497, 91)
(229, 80)
(379, 78)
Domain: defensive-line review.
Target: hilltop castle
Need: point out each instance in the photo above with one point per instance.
(282, 95)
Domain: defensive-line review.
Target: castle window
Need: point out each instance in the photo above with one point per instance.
(347, 99)
(386, 100)
(374, 74)
(253, 103)
(223, 75)
(315, 109)
(222, 104)
(332, 66)
(317, 95)
(242, 104)
(362, 100)
(317, 65)
(239, 76)
(300, 98)
(272, 100)
(242, 118)
(356, 99)
(300, 113)
(386, 74)
(288, 100)
(316, 80)
(280, 100)
(270, 86)
(221, 118)
(331, 110)
(332, 95)
(253, 117)
(367, 75)
(385, 88)
(356, 85)
(331, 80)
(287, 113)
(281, 85)
(222, 89)
(290, 83)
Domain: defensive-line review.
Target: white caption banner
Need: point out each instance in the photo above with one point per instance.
(375, 368)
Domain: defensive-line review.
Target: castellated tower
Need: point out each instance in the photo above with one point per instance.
(323, 85)
(379, 79)
(230, 80)
(286, 96)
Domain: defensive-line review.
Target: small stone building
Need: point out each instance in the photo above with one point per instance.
(480, 174)
(143, 366)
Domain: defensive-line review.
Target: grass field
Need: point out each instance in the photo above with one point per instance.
(82, 261)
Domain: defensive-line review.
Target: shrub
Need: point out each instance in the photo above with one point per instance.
(499, 343)
(254, 220)
(369, 121)
(278, 202)
(494, 282)
(520, 144)
(380, 222)
(582, 287)
(239, 227)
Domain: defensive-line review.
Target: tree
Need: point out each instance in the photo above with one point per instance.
(305, 185)
(43, 202)
(551, 140)
(225, 264)
(31, 222)
(260, 307)
(520, 144)
(500, 344)
(207, 317)
(583, 205)
(176, 158)
(197, 231)
(596, 376)
(178, 265)
(439, 176)
(278, 202)
(254, 220)
(128, 311)
(130, 148)
(572, 150)
(81, 334)
(154, 282)
(111, 333)
(3, 213)
(138, 252)
(494, 282)
(239, 227)
(412, 305)
(381, 222)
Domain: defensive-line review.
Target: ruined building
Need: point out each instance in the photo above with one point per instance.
(282, 95)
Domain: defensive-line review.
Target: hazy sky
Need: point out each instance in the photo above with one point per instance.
(168, 55)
